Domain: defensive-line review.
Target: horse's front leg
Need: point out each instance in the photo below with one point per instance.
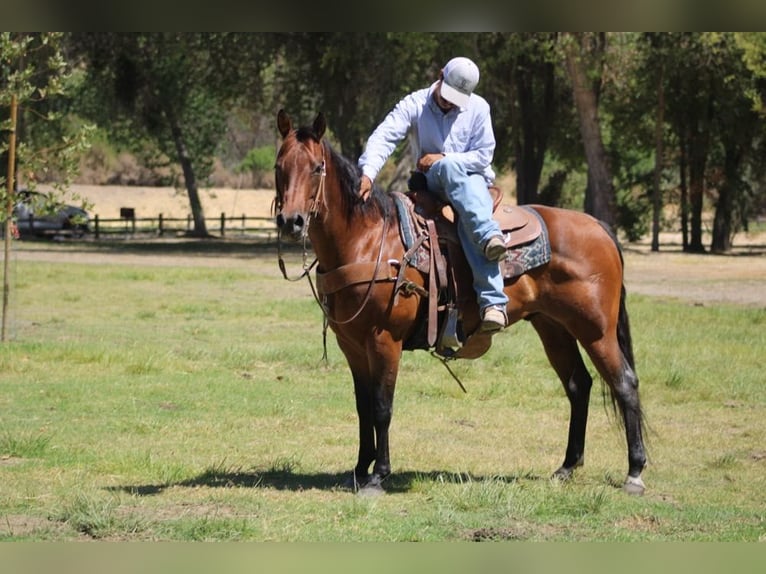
(374, 405)
(365, 416)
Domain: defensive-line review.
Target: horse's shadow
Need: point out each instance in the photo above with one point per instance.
(295, 481)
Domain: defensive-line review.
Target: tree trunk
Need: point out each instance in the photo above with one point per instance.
(656, 190)
(198, 213)
(599, 201)
(699, 146)
(684, 199)
(723, 224)
(697, 163)
(10, 187)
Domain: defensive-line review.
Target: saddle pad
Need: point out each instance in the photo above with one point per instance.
(523, 258)
(406, 226)
(409, 231)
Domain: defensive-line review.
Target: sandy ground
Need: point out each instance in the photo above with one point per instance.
(739, 277)
(701, 279)
(106, 201)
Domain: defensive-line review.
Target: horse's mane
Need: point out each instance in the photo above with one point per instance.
(349, 174)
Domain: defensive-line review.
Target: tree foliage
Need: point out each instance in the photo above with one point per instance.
(169, 93)
(33, 68)
(576, 116)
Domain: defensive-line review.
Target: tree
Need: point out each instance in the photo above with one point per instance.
(521, 80)
(33, 73)
(659, 128)
(582, 53)
(753, 47)
(354, 78)
(690, 105)
(170, 93)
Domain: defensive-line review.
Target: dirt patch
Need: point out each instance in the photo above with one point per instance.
(23, 525)
(738, 278)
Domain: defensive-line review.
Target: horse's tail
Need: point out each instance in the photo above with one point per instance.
(624, 338)
(623, 332)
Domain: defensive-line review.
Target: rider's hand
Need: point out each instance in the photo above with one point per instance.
(425, 162)
(365, 187)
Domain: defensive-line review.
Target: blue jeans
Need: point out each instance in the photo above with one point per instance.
(469, 197)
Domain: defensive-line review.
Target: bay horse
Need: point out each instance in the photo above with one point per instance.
(577, 297)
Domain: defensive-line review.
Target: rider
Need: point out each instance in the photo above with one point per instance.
(452, 135)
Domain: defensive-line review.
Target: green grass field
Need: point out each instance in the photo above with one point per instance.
(190, 402)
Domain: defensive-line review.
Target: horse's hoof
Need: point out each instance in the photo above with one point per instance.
(634, 486)
(563, 474)
(354, 483)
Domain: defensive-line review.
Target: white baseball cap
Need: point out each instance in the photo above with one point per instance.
(460, 77)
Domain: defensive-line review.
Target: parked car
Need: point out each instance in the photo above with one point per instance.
(39, 214)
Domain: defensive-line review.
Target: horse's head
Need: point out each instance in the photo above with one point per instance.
(299, 175)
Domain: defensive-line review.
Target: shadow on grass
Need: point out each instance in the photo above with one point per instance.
(289, 480)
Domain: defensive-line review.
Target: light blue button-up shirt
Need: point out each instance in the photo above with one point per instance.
(465, 133)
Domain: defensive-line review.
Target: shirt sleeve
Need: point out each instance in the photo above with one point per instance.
(383, 141)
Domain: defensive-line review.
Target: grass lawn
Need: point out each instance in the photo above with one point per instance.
(157, 401)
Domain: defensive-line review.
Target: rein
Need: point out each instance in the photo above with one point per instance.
(370, 284)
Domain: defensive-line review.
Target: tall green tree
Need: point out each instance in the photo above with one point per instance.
(737, 126)
(171, 92)
(710, 109)
(691, 76)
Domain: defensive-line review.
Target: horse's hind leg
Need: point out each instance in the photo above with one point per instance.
(564, 356)
(616, 370)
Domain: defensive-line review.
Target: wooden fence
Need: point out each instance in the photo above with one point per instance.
(161, 226)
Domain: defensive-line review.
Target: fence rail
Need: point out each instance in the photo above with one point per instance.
(161, 226)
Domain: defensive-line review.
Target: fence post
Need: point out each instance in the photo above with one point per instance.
(97, 231)
(223, 224)
(161, 229)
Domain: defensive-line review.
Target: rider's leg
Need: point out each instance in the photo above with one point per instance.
(469, 197)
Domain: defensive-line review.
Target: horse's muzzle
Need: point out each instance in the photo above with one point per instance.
(291, 227)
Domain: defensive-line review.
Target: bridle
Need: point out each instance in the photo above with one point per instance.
(313, 211)
(318, 201)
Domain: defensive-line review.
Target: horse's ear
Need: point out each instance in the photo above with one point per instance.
(284, 123)
(320, 125)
